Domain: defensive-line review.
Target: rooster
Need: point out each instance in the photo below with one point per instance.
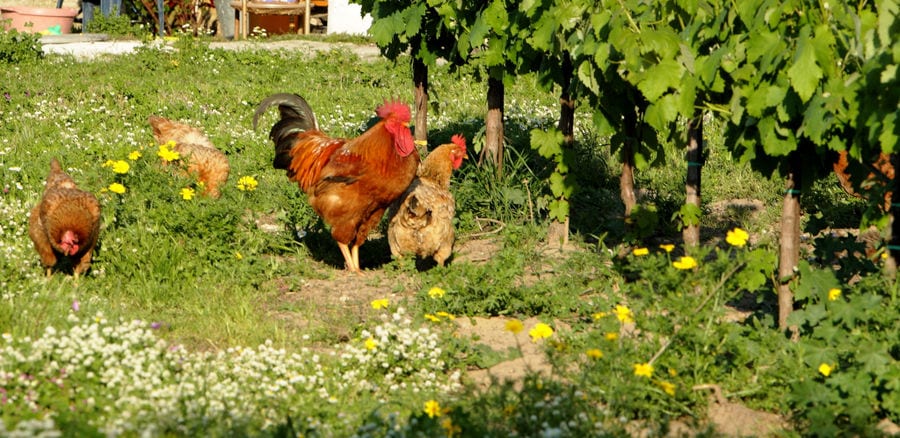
(208, 164)
(422, 219)
(348, 182)
(65, 223)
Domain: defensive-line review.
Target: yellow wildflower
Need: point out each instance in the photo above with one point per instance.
(371, 344)
(737, 237)
(380, 303)
(247, 184)
(450, 428)
(108, 163)
(685, 262)
(436, 292)
(594, 353)
(166, 152)
(611, 336)
(515, 326)
(432, 318)
(121, 167)
(640, 251)
(443, 314)
(598, 315)
(643, 370)
(834, 294)
(134, 155)
(432, 408)
(540, 331)
(238, 255)
(116, 188)
(667, 387)
(624, 314)
(825, 369)
(667, 247)
(187, 193)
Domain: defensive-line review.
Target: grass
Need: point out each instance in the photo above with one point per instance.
(250, 330)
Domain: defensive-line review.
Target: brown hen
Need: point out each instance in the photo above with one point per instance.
(65, 223)
(204, 161)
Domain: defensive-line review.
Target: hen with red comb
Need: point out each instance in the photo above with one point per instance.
(422, 219)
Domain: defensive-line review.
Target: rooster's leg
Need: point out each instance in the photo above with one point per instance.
(348, 258)
(354, 251)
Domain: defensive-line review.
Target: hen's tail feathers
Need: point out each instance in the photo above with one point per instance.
(296, 117)
(55, 166)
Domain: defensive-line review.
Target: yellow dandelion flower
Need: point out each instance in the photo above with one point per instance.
(624, 314)
(640, 251)
(672, 372)
(436, 292)
(121, 167)
(380, 303)
(450, 428)
(598, 315)
(643, 370)
(247, 184)
(834, 294)
(737, 237)
(187, 193)
(134, 155)
(116, 188)
(166, 153)
(540, 331)
(684, 263)
(514, 326)
(667, 247)
(108, 163)
(594, 353)
(825, 369)
(432, 318)
(611, 336)
(443, 314)
(238, 255)
(371, 344)
(667, 387)
(432, 408)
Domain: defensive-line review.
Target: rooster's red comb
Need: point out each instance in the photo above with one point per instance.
(459, 140)
(394, 109)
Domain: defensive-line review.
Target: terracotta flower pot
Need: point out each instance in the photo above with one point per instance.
(42, 20)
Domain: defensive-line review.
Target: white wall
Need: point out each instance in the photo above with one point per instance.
(346, 18)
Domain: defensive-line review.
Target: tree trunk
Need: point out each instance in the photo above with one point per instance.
(694, 155)
(493, 124)
(559, 231)
(626, 180)
(890, 265)
(790, 240)
(420, 82)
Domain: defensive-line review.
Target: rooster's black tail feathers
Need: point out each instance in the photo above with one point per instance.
(296, 117)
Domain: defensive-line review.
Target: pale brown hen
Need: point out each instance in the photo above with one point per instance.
(65, 223)
(207, 163)
(422, 219)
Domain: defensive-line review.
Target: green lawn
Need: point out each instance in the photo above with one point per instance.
(232, 316)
